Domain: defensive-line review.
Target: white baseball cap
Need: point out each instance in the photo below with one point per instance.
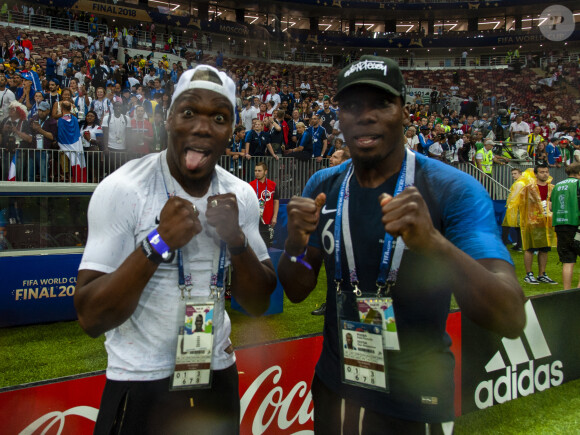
(206, 77)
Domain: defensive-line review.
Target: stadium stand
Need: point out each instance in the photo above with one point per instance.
(543, 87)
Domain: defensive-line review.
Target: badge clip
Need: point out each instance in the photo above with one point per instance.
(380, 288)
(357, 291)
(338, 290)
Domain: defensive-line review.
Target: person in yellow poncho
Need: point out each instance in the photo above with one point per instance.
(511, 219)
(533, 204)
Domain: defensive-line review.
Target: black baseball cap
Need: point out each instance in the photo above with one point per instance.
(380, 72)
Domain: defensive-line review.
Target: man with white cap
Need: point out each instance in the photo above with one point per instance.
(394, 250)
(163, 230)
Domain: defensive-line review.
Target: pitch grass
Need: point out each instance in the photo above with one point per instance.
(39, 352)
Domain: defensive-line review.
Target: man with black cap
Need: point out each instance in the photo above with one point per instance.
(163, 230)
(423, 147)
(394, 257)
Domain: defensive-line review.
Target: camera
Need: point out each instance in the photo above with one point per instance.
(444, 136)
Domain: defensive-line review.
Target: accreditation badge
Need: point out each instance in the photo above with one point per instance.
(363, 358)
(380, 311)
(194, 348)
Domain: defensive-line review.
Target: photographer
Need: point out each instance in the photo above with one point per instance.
(467, 151)
(438, 145)
(455, 144)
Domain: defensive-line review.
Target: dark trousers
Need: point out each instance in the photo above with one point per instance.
(511, 234)
(266, 234)
(129, 407)
(330, 420)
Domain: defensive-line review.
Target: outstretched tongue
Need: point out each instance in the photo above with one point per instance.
(192, 159)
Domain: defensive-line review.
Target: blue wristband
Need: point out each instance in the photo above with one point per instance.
(158, 244)
(299, 258)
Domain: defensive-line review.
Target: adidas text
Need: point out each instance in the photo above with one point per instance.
(514, 384)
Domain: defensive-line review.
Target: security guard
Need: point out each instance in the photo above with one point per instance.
(484, 158)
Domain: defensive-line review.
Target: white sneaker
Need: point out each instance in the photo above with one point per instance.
(531, 279)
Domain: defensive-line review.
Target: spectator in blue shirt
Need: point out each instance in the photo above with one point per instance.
(553, 152)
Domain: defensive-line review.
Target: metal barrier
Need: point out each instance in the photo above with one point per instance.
(55, 166)
(495, 189)
(499, 183)
(290, 174)
(43, 22)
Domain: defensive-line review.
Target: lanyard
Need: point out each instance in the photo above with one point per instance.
(387, 272)
(258, 190)
(315, 133)
(219, 258)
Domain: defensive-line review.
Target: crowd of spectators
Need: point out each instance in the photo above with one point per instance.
(120, 103)
(456, 137)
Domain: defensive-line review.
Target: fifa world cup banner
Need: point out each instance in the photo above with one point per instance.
(38, 288)
(547, 354)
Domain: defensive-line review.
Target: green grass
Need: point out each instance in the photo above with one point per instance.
(38, 352)
(554, 411)
(295, 321)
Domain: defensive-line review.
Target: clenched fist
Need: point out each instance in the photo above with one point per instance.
(178, 222)
(303, 217)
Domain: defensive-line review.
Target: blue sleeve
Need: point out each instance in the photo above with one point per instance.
(313, 188)
(468, 215)
(551, 155)
(305, 138)
(148, 107)
(248, 137)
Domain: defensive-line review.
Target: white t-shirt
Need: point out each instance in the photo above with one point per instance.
(117, 130)
(522, 126)
(148, 78)
(336, 126)
(247, 116)
(436, 149)
(80, 78)
(412, 142)
(94, 131)
(133, 81)
(452, 153)
(61, 66)
(274, 97)
(122, 211)
(6, 97)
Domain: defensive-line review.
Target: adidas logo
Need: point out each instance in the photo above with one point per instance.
(528, 379)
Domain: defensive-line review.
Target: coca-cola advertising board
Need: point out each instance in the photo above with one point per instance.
(274, 392)
(274, 395)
